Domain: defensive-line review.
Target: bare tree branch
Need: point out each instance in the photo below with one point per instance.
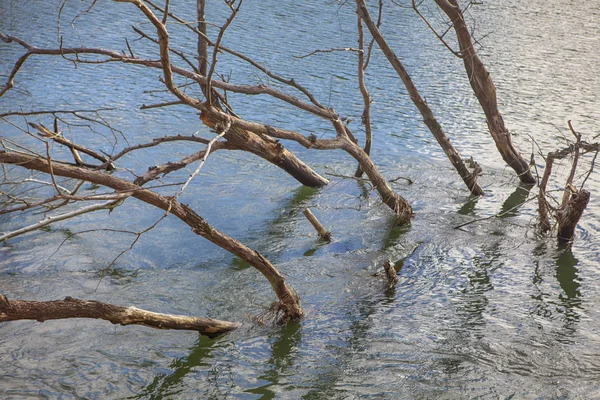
(61, 217)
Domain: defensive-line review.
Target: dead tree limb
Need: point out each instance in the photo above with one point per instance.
(56, 136)
(287, 297)
(13, 310)
(366, 115)
(61, 217)
(485, 91)
(269, 150)
(569, 215)
(470, 178)
(390, 273)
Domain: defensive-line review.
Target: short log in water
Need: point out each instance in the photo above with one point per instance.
(323, 233)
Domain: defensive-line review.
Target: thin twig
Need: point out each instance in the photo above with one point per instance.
(206, 153)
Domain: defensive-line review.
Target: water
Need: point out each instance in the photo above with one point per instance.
(489, 311)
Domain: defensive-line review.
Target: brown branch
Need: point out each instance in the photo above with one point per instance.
(180, 54)
(55, 136)
(366, 115)
(581, 147)
(202, 40)
(159, 105)
(157, 141)
(164, 169)
(332, 50)
(213, 63)
(569, 215)
(429, 119)
(41, 311)
(323, 233)
(53, 112)
(199, 226)
(390, 273)
(485, 91)
(432, 29)
(202, 34)
(114, 56)
(567, 191)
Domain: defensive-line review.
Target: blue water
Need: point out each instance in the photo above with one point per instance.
(493, 310)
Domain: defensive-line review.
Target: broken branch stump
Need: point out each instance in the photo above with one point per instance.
(390, 273)
(323, 233)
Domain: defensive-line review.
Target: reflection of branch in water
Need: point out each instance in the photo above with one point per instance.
(569, 299)
(509, 207)
(283, 354)
(568, 279)
(166, 384)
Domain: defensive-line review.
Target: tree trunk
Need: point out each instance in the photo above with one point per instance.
(469, 178)
(41, 311)
(485, 91)
(286, 295)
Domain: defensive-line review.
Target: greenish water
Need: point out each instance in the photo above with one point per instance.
(490, 311)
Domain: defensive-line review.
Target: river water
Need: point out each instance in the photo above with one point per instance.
(490, 311)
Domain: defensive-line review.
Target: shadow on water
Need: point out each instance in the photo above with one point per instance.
(473, 299)
(167, 384)
(469, 207)
(283, 350)
(475, 302)
(510, 207)
(569, 300)
(348, 353)
(567, 276)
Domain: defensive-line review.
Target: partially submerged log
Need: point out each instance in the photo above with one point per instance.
(323, 233)
(41, 311)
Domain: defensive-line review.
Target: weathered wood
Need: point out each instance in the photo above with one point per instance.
(485, 91)
(323, 233)
(569, 215)
(390, 273)
(286, 295)
(41, 311)
(264, 147)
(468, 177)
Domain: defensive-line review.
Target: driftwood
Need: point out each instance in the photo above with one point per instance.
(74, 308)
(323, 233)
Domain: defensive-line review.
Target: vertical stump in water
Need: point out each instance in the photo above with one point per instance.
(323, 233)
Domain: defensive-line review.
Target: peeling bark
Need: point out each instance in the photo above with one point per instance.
(569, 215)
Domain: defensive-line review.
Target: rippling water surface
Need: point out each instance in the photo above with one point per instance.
(492, 310)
